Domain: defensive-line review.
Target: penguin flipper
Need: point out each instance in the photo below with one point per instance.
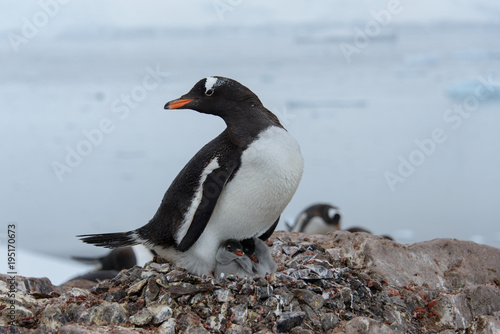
(270, 231)
(211, 190)
(110, 240)
(89, 260)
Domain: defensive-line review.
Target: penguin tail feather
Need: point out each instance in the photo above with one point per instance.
(111, 240)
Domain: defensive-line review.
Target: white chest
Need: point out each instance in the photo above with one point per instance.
(271, 169)
(270, 172)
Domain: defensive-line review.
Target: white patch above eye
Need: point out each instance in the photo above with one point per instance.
(332, 212)
(210, 83)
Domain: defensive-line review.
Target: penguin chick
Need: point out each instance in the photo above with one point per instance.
(230, 259)
(260, 254)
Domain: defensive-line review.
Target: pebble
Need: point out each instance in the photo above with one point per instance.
(289, 320)
(329, 321)
(239, 314)
(168, 327)
(223, 295)
(136, 288)
(142, 318)
(106, 314)
(238, 329)
(217, 322)
(312, 299)
(161, 314)
(151, 291)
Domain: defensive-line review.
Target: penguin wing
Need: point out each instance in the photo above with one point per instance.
(190, 200)
(246, 264)
(210, 191)
(89, 260)
(270, 231)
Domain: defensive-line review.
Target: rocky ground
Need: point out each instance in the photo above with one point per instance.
(337, 283)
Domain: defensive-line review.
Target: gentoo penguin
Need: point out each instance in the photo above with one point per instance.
(361, 229)
(235, 187)
(230, 259)
(95, 276)
(357, 229)
(317, 219)
(117, 259)
(260, 254)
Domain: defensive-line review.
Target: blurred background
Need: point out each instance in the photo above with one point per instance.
(396, 106)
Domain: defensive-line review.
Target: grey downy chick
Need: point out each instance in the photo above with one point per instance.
(230, 259)
(260, 254)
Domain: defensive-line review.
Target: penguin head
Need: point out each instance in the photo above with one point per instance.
(331, 215)
(233, 246)
(217, 96)
(248, 246)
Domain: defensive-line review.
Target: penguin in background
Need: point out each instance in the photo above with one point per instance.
(235, 187)
(109, 265)
(317, 219)
(321, 219)
(117, 259)
(361, 229)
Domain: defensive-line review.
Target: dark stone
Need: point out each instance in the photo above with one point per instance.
(187, 289)
(289, 320)
(151, 291)
(247, 289)
(176, 276)
(189, 323)
(312, 299)
(41, 288)
(329, 321)
(114, 295)
(132, 307)
(263, 292)
(301, 330)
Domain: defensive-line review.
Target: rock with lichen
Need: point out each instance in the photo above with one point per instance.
(341, 282)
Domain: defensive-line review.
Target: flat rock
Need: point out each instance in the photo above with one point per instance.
(439, 263)
(82, 329)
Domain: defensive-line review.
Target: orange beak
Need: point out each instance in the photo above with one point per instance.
(176, 104)
(239, 253)
(253, 259)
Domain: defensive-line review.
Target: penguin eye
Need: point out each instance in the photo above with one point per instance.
(209, 92)
(229, 248)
